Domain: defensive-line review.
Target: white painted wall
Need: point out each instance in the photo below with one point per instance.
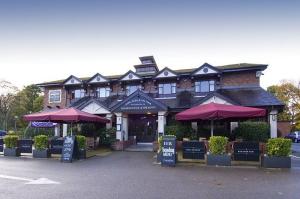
(65, 130)
(95, 79)
(201, 72)
(162, 74)
(69, 82)
(134, 77)
(273, 123)
(217, 100)
(119, 122)
(94, 108)
(161, 122)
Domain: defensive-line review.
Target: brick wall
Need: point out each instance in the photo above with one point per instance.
(284, 128)
(47, 104)
(149, 86)
(239, 78)
(185, 84)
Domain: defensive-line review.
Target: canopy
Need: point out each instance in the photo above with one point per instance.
(67, 115)
(214, 111)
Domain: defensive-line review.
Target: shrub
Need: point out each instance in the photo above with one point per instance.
(160, 143)
(179, 131)
(217, 145)
(253, 131)
(41, 142)
(81, 141)
(107, 136)
(279, 147)
(11, 141)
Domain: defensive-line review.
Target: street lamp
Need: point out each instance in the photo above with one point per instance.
(16, 118)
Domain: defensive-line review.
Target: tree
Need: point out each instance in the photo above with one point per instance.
(289, 94)
(7, 97)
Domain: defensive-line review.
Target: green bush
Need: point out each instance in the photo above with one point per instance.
(41, 142)
(11, 141)
(81, 141)
(179, 131)
(279, 147)
(160, 143)
(217, 145)
(253, 131)
(107, 136)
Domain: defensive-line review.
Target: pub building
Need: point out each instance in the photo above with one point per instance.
(141, 103)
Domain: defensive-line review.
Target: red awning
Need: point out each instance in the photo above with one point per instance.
(67, 115)
(214, 111)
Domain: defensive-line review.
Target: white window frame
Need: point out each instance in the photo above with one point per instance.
(49, 96)
(210, 85)
(173, 88)
(107, 92)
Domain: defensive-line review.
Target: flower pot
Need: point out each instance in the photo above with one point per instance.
(81, 154)
(13, 152)
(220, 160)
(44, 153)
(275, 162)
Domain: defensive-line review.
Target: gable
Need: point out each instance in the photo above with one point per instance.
(98, 79)
(206, 69)
(166, 72)
(217, 100)
(94, 108)
(72, 80)
(130, 76)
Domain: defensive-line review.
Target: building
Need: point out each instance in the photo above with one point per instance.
(141, 102)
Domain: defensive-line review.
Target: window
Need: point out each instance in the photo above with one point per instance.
(131, 89)
(77, 94)
(54, 96)
(103, 92)
(205, 86)
(169, 88)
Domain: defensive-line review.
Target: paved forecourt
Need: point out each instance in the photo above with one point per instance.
(134, 175)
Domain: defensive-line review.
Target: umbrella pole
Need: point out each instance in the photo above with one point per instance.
(71, 129)
(211, 128)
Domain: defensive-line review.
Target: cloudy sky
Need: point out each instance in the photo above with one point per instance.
(48, 40)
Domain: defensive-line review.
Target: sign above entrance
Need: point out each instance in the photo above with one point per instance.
(139, 102)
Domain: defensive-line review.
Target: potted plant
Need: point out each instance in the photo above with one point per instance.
(81, 143)
(41, 147)
(159, 151)
(278, 151)
(11, 146)
(217, 151)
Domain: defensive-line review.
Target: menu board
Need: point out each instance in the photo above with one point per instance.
(169, 151)
(69, 150)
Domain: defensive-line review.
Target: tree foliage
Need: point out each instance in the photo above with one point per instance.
(289, 94)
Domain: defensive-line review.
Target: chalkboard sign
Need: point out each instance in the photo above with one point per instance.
(169, 151)
(193, 150)
(56, 146)
(1, 145)
(246, 151)
(25, 145)
(69, 150)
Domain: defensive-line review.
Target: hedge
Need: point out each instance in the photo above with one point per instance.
(217, 145)
(11, 141)
(253, 131)
(41, 142)
(279, 147)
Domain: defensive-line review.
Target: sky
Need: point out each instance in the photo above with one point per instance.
(50, 40)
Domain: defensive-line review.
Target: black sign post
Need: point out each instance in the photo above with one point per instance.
(25, 145)
(193, 150)
(69, 150)
(1, 145)
(246, 151)
(169, 151)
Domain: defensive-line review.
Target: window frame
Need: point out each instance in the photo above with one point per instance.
(81, 96)
(138, 86)
(211, 84)
(107, 91)
(49, 96)
(173, 88)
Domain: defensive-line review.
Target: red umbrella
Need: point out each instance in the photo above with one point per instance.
(214, 111)
(67, 115)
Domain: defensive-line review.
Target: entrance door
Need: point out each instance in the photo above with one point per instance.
(144, 127)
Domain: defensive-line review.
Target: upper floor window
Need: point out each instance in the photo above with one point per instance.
(132, 88)
(103, 92)
(205, 86)
(169, 88)
(54, 96)
(77, 94)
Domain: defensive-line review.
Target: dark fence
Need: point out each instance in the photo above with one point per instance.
(246, 151)
(25, 145)
(193, 150)
(56, 146)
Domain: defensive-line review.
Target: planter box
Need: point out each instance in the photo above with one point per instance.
(81, 154)
(41, 153)
(14, 152)
(220, 160)
(275, 162)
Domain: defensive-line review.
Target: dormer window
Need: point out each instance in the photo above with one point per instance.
(204, 86)
(168, 88)
(77, 94)
(103, 92)
(132, 88)
(147, 61)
